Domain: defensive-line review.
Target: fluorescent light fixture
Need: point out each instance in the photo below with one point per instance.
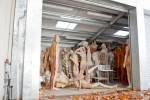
(66, 25)
(125, 27)
(58, 7)
(69, 17)
(75, 38)
(71, 26)
(98, 14)
(121, 33)
(61, 24)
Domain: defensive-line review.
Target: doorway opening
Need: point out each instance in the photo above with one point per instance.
(85, 47)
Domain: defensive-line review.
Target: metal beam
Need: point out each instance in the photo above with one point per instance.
(66, 34)
(61, 45)
(119, 28)
(104, 4)
(112, 36)
(81, 7)
(104, 28)
(87, 21)
(68, 31)
(48, 15)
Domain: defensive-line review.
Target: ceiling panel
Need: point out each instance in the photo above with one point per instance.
(90, 16)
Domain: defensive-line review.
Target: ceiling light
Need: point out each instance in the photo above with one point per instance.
(71, 26)
(75, 38)
(99, 14)
(58, 7)
(66, 25)
(125, 27)
(61, 24)
(69, 17)
(121, 33)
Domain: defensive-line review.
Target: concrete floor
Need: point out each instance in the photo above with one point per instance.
(67, 93)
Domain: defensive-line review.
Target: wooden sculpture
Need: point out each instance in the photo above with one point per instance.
(119, 55)
(75, 72)
(83, 44)
(93, 46)
(42, 63)
(61, 80)
(53, 59)
(89, 57)
(89, 63)
(127, 63)
(110, 58)
(83, 64)
(65, 61)
(95, 58)
(103, 55)
(46, 61)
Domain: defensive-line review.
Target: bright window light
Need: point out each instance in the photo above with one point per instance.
(65, 25)
(71, 26)
(121, 33)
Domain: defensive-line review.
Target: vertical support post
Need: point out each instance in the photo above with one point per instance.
(138, 47)
(31, 81)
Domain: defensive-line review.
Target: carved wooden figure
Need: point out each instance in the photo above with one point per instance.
(54, 57)
(66, 61)
(95, 58)
(82, 53)
(89, 64)
(42, 62)
(89, 57)
(74, 59)
(103, 55)
(93, 46)
(127, 63)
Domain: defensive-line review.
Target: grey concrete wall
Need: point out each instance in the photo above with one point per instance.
(6, 28)
(134, 49)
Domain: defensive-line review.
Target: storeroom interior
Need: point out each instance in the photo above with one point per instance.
(85, 45)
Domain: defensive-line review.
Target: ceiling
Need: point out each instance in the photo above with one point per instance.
(95, 19)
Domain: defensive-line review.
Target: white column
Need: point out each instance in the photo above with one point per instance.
(32, 50)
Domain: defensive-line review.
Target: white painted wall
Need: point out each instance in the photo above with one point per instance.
(6, 10)
(146, 70)
(147, 4)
